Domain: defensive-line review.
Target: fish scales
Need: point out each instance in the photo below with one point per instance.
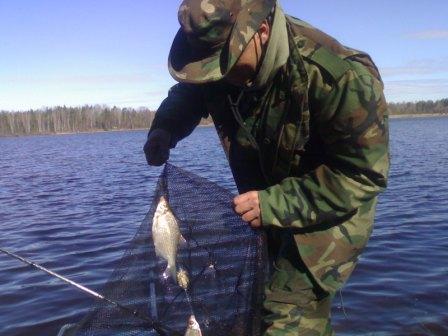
(166, 236)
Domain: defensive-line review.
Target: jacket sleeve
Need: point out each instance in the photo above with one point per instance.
(180, 112)
(352, 121)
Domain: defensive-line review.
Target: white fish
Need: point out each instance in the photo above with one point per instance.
(183, 279)
(193, 328)
(166, 236)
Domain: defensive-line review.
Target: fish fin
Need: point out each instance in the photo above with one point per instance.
(170, 271)
(182, 240)
(167, 272)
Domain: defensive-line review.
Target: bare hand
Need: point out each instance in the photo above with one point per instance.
(157, 147)
(248, 207)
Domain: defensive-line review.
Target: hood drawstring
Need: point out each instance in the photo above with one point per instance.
(234, 106)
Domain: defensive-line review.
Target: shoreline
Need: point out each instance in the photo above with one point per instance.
(392, 116)
(74, 133)
(414, 116)
(86, 132)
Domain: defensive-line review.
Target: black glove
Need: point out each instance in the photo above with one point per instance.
(157, 147)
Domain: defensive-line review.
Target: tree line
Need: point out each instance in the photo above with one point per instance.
(420, 107)
(91, 118)
(62, 119)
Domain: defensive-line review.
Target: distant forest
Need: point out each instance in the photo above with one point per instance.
(421, 107)
(62, 119)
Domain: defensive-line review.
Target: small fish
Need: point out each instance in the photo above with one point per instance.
(193, 328)
(183, 279)
(166, 236)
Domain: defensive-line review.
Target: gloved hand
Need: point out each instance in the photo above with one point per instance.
(157, 147)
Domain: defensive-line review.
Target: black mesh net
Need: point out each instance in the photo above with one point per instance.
(223, 257)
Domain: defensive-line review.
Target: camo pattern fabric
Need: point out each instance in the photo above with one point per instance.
(311, 319)
(331, 208)
(294, 305)
(321, 132)
(213, 35)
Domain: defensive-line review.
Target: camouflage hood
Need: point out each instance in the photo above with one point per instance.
(212, 36)
(277, 52)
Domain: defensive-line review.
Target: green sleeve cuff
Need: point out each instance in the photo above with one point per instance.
(267, 198)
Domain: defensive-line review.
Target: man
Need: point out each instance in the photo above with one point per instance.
(303, 121)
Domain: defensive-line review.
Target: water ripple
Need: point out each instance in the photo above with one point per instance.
(73, 203)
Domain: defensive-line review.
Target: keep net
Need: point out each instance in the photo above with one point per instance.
(224, 257)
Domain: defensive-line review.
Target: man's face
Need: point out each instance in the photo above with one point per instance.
(244, 70)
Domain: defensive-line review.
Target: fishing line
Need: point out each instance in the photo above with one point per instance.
(342, 304)
(163, 331)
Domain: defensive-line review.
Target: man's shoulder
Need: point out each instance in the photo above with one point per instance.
(323, 50)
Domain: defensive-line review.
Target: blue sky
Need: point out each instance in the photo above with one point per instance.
(114, 52)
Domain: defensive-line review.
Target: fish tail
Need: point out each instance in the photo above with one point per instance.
(170, 270)
(182, 240)
(167, 271)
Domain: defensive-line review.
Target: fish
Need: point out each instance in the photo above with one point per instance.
(183, 279)
(193, 328)
(166, 236)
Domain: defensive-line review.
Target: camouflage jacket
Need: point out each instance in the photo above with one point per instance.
(314, 142)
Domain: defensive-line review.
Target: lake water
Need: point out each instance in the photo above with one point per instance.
(73, 203)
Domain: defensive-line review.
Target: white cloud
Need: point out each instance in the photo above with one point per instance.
(416, 89)
(417, 67)
(124, 90)
(429, 35)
